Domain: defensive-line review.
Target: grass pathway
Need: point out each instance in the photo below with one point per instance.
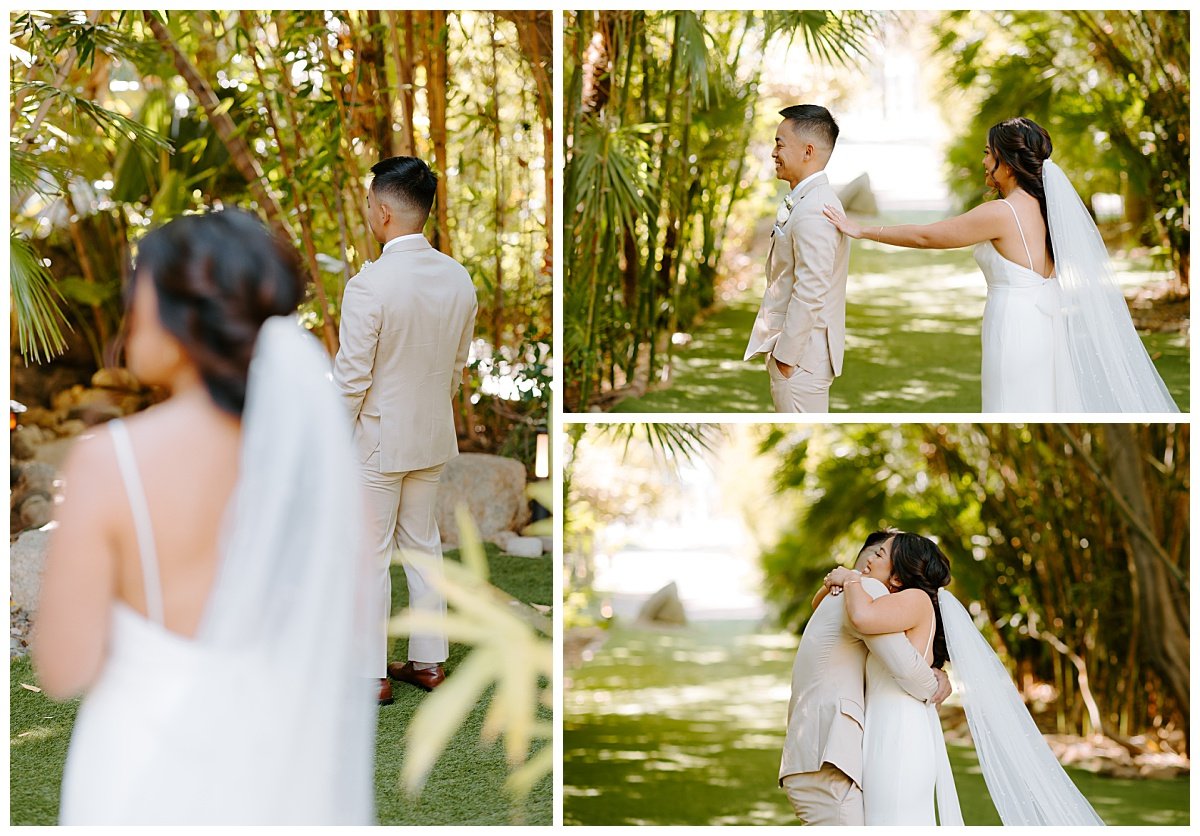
(686, 727)
(913, 319)
(466, 787)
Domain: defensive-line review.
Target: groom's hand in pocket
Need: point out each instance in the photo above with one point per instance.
(943, 689)
(784, 368)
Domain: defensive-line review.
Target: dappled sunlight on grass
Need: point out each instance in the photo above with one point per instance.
(693, 734)
(913, 320)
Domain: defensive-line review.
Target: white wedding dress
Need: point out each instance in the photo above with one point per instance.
(1064, 343)
(1026, 362)
(263, 716)
(904, 753)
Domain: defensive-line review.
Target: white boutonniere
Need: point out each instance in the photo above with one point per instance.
(785, 210)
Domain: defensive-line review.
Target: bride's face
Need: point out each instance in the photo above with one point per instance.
(879, 564)
(989, 163)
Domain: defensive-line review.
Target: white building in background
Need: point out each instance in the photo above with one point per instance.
(892, 127)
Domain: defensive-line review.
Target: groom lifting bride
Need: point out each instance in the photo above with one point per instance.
(407, 322)
(864, 743)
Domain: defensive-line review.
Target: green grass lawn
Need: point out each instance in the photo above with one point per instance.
(465, 788)
(686, 727)
(913, 320)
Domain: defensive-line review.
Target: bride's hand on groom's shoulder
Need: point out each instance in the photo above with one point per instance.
(838, 218)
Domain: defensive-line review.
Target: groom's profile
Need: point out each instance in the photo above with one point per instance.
(821, 767)
(407, 323)
(801, 324)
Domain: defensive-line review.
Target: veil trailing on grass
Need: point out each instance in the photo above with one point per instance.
(281, 670)
(1112, 371)
(1026, 782)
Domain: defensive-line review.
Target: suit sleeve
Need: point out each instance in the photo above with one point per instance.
(464, 348)
(354, 366)
(901, 659)
(814, 242)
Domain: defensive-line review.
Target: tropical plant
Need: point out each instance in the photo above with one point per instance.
(660, 113)
(511, 664)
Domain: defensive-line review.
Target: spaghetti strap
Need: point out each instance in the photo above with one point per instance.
(1020, 230)
(932, 633)
(151, 584)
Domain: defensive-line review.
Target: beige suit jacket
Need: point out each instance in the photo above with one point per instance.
(828, 709)
(802, 318)
(407, 323)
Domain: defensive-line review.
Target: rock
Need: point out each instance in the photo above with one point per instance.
(35, 510)
(27, 559)
(23, 442)
(92, 414)
(36, 416)
(72, 428)
(115, 377)
(502, 539)
(67, 398)
(36, 477)
(524, 547)
(491, 487)
(664, 608)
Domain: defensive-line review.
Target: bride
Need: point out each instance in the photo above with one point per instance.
(201, 588)
(905, 764)
(1057, 335)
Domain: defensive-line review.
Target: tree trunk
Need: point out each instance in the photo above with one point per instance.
(405, 144)
(436, 81)
(1162, 603)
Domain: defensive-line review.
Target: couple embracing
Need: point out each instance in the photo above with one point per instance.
(864, 744)
(1057, 334)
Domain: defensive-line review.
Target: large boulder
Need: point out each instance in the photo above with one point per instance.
(27, 560)
(491, 487)
(664, 608)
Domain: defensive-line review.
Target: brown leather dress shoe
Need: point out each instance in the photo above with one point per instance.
(426, 680)
(385, 692)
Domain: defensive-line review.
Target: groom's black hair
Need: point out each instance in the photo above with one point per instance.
(812, 119)
(407, 181)
(876, 537)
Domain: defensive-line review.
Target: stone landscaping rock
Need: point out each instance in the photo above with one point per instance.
(664, 608)
(491, 487)
(27, 559)
(116, 378)
(36, 477)
(524, 547)
(35, 510)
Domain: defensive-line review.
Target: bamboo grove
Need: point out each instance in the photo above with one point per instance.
(660, 110)
(123, 120)
(1072, 539)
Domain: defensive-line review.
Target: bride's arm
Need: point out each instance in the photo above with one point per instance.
(893, 613)
(983, 223)
(79, 582)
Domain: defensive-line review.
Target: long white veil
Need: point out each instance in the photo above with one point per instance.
(1026, 782)
(279, 684)
(1112, 371)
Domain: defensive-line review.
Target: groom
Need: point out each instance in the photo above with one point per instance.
(801, 324)
(407, 321)
(821, 770)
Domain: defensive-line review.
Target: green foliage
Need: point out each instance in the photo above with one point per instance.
(661, 109)
(1034, 521)
(36, 302)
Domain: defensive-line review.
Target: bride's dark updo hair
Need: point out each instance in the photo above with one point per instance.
(1024, 145)
(218, 277)
(917, 563)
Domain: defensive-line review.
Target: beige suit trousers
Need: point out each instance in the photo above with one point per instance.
(401, 514)
(804, 391)
(825, 797)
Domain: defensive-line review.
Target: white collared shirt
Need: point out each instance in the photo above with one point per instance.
(400, 238)
(794, 193)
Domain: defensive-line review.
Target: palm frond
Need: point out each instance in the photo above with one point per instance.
(35, 303)
(830, 36)
(110, 122)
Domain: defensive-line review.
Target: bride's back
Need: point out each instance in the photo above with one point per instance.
(186, 456)
(1032, 227)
